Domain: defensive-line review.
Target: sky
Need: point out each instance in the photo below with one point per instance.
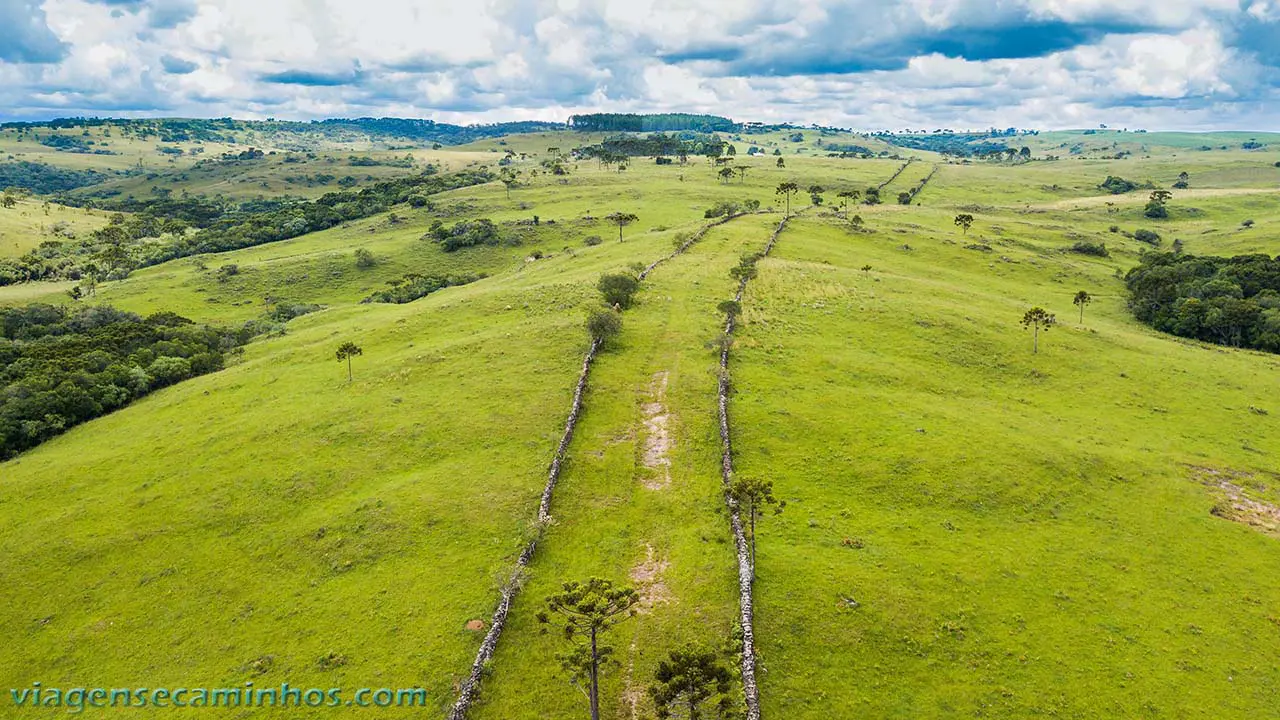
(863, 64)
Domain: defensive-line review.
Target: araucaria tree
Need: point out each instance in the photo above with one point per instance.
(815, 194)
(726, 174)
(1082, 298)
(1037, 318)
(846, 197)
(964, 221)
(622, 220)
(589, 609)
(686, 680)
(346, 351)
(787, 189)
(754, 496)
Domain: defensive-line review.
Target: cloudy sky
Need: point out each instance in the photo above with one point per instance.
(867, 64)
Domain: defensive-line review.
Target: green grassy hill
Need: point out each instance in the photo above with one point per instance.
(971, 529)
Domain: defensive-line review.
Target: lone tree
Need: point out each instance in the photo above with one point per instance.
(742, 172)
(622, 220)
(346, 351)
(618, 289)
(1082, 298)
(686, 679)
(1038, 318)
(964, 221)
(1184, 181)
(754, 496)
(726, 174)
(589, 609)
(787, 189)
(603, 325)
(815, 194)
(1156, 209)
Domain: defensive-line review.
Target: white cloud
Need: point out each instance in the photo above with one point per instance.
(799, 60)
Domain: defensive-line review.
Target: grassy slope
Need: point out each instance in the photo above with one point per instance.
(614, 513)
(1045, 511)
(1033, 538)
(26, 225)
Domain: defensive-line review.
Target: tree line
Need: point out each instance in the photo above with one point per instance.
(113, 252)
(660, 122)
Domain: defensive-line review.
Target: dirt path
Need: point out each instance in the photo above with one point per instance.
(658, 442)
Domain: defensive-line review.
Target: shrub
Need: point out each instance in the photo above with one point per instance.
(1149, 237)
(1088, 248)
(1247, 224)
(1117, 185)
(1115, 228)
(468, 233)
(365, 259)
(603, 325)
(592, 240)
(618, 289)
(227, 271)
(1156, 211)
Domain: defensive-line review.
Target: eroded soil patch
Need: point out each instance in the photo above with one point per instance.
(1242, 497)
(657, 441)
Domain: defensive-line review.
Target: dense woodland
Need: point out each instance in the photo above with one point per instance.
(60, 367)
(1229, 301)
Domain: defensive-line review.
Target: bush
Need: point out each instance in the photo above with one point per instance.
(1149, 237)
(468, 233)
(1115, 228)
(414, 286)
(603, 325)
(1117, 185)
(1088, 248)
(1247, 224)
(365, 259)
(1156, 211)
(618, 289)
(226, 272)
(592, 240)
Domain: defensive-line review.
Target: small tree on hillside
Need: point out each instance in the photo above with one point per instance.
(603, 325)
(1037, 318)
(726, 174)
(1184, 181)
(346, 351)
(618, 289)
(846, 197)
(781, 162)
(787, 189)
(687, 679)
(8, 200)
(815, 194)
(1081, 299)
(742, 172)
(754, 496)
(964, 221)
(1156, 209)
(622, 220)
(589, 609)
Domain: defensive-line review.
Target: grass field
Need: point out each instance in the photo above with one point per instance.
(31, 221)
(971, 529)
